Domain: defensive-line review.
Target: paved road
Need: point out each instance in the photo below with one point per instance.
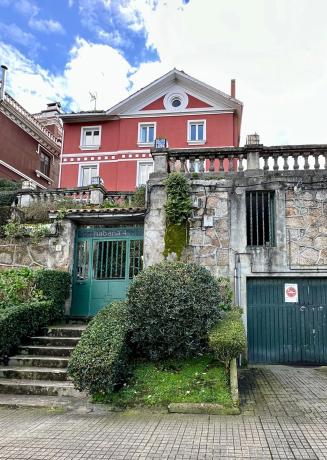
(284, 416)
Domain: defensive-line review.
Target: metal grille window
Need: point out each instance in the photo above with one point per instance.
(135, 261)
(260, 218)
(109, 260)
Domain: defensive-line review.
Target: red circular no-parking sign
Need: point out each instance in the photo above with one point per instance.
(291, 291)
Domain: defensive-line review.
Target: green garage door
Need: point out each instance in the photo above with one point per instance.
(287, 320)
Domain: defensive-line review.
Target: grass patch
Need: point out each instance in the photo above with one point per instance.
(195, 380)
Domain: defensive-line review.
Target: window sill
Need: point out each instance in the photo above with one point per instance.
(89, 147)
(145, 144)
(40, 174)
(196, 142)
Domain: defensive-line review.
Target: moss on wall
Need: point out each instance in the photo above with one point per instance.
(176, 239)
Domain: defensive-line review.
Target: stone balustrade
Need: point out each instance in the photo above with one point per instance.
(86, 195)
(240, 160)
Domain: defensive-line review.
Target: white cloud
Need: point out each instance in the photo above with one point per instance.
(276, 50)
(91, 67)
(19, 36)
(26, 7)
(46, 25)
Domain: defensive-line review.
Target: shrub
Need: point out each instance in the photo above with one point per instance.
(99, 361)
(17, 285)
(172, 307)
(138, 198)
(227, 339)
(55, 286)
(6, 184)
(20, 285)
(22, 320)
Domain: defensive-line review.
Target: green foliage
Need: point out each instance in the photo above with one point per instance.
(99, 361)
(227, 339)
(5, 213)
(6, 184)
(54, 285)
(17, 285)
(7, 198)
(20, 285)
(15, 230)
(176, 236)
(138, 198)
(179, 205)
(38, 212)
(172, 307)
(191, 381)
(23, 320)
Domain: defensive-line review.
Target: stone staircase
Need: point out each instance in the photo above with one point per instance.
(40, 367)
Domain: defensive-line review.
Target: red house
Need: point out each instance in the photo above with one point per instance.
(115, 144)
(30, 144)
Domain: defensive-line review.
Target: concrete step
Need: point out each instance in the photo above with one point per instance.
(65, 330)
(38, 350)
(39, 361)
(54, 341)
(33, 373)
(31, 401)
(38, 387)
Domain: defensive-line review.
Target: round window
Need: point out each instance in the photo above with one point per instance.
(176, 102)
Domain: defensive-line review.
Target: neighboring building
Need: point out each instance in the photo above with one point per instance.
(30, 145)
(115, 144)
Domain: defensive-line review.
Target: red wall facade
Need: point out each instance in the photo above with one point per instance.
(19, 150)
(119, 151)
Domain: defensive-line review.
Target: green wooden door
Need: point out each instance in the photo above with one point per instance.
(287, 332)
(106, 260)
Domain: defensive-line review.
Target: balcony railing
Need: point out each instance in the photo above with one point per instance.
(230, 160)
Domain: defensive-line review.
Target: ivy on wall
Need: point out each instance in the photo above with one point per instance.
(178, 209)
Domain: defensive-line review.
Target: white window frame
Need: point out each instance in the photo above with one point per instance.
(138, 169)
(196, 122)
(80, 172)
(90, 147)
(139, 139)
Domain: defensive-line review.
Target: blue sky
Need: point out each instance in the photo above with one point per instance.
(275, 49)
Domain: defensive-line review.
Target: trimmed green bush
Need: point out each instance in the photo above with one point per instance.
(55, 286)
(20, 285)
(17, 285)
(173, 306)
(99, 362)
(227, 339)
(20, 321)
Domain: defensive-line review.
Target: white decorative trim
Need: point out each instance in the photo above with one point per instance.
(144, 160)
(200, 141)
(40, 174)
(139, 126)
(169, 97)
(6, 165)
(81, 165)
(90, 147)
(117, 152)
(185, 112)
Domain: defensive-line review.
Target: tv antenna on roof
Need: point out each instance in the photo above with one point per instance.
(93, 99)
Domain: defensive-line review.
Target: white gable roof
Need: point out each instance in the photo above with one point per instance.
(176, 81)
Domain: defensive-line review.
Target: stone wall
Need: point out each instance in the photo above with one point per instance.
(306, 228)
(52, 252)
(209, 233)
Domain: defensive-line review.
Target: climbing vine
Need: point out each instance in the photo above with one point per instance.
(178, 209)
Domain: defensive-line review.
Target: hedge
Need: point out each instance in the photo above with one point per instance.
(20, 321)
(227, 339)
(55, 286)
(99, 362)
(19, 285)
(173, 306)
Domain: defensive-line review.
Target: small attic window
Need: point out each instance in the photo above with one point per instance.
(175, 101)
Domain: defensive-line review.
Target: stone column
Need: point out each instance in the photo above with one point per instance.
(155, 224)
(253, 162)
(160, 161)
(97, 195)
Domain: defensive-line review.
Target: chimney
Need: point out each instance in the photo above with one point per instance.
(232, 87)
(3, 82)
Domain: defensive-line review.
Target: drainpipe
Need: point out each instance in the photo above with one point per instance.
(3, 82)
(237, 279)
